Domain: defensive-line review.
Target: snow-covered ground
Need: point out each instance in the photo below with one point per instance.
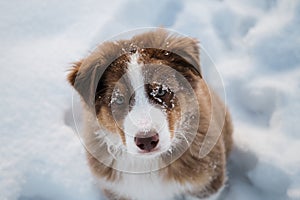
(254, 44)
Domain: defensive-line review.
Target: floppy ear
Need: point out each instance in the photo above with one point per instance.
(84, 78)
(188, 48)
(80, 78)
(74, 72)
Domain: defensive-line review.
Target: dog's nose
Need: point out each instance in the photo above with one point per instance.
(147, 141)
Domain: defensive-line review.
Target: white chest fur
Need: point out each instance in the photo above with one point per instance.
(148, 186)
(151, 186)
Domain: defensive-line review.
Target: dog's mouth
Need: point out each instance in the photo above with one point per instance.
(152, 152)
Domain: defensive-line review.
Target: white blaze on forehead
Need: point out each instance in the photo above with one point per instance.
(143, 117)
(137, 80)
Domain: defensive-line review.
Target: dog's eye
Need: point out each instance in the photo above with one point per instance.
(162, 95)
(119, 100)
(161, 92)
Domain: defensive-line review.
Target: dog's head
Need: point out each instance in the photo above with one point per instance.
(141, 91)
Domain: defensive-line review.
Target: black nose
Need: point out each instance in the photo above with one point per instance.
(146, 141)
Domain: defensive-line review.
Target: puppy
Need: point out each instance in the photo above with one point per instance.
(153, 129)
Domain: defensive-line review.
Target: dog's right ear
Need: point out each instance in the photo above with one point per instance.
(80, 78)
(84, 78)
(74, 72)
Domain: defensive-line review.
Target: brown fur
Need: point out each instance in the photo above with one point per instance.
(206, 174)
(112, 196)
(211, 170)
(74, 71)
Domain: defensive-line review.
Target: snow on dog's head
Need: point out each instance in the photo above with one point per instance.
(140, 92)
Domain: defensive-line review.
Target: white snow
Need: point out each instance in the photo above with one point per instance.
(254, 45)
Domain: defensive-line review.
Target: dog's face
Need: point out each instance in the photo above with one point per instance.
(143, 96)
(137, 99)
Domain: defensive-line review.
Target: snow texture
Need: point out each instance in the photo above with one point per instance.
(254, 45)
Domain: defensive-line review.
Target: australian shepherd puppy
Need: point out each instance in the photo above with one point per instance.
(154, 130)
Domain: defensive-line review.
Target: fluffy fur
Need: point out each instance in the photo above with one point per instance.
(153, 60)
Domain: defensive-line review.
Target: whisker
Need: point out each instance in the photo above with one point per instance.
(184, 137)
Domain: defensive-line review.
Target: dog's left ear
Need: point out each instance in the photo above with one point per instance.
(193, 53)
(189, 49)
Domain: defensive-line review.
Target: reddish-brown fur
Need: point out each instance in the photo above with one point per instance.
(211, 169)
